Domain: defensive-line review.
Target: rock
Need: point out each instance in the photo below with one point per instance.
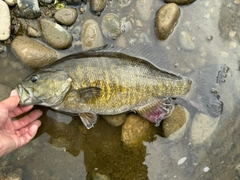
(180, 2)
(5, 21)
(11, 2)
(97, 6)
(135, 130)
(32, 53)
(91, 35)
(29, 8)
(166, 19)
(186, 41)
(111, 26)
(47, 1)
(115, 120)
(9, 173)
(55, 35)
(66, 16)
(202, 128)
(5, 92)
(32, 32)
(144, 8)
(174, 126)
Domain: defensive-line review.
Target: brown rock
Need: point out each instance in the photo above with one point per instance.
(115, 120)
(32, 53)
(174, 122)
(135, 130)
(166, 19)
(66, 16)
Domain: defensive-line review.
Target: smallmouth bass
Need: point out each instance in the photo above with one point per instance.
(103, 82)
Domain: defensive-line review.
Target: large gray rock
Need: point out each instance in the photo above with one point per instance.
(32, 53)
(166, 19)
(55, 35)
(66, 16)
(5, 21)
(29, 8)
(91, 35)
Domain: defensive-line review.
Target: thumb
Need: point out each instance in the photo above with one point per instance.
(12, 102)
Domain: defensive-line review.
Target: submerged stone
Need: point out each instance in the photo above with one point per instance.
(55, 35)
(91, 35)
(32, 53)
(115, 120)
(144, 8)
(111, 26)
(66, 16)
(5, 92)
(97, 6)
(166, 19)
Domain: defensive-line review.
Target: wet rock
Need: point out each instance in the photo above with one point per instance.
(5, 91)
(144, 8)
(186, 41)
(11, 2)
(47, 1)
(166, 19)
(29, 8)
(66, 16)
(32, 32)
(111, 26)
(91, 35)
(124, 3)
(5, 21)
(135, 130)
(180, 2)
(174, 126)
(202, 128)
(9, 173)
(97, 6)
(32, 53)
(115, 120)
(55, 35)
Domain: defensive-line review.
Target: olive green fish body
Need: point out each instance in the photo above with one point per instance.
(126, 83)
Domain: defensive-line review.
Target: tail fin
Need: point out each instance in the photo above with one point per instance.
(204, 94)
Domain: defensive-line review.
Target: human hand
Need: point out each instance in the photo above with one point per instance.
(16, 133)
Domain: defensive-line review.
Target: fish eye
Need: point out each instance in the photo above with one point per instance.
(34, 78)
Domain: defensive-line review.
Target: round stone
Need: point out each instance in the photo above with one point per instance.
(111, 26)
(98, 6)
(91, 35)
(66, 16)
(166, 19)
(55, 35)
(5, 21)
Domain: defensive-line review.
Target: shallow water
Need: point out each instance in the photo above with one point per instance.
(64, 149)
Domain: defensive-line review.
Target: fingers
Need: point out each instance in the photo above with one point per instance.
(20, 110)
(26, 134)
(26, 120)
(10, 103)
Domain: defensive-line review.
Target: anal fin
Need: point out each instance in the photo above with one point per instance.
(88, 119)
(157, 111)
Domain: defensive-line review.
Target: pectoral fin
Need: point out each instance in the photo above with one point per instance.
(88, 119)
(89, 92)
(157, 111)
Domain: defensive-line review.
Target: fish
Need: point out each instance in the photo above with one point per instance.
(106, 81)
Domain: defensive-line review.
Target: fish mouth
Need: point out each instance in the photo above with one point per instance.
(26, 97)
